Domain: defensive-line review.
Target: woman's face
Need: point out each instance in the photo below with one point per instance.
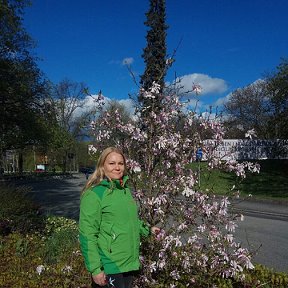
(114, 166)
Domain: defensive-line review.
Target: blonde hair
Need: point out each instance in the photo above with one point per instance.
(98, 175)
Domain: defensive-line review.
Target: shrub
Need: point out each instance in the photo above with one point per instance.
(22, 264)
(18, 212)
(55, 224)
(268, 278)
(60, 245)
(53, 259)
(61, 237)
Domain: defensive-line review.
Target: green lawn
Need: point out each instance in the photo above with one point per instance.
(271, 182)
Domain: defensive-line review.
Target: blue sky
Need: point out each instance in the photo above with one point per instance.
(224, 44)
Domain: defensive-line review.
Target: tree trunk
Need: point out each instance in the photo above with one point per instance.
(20, 161)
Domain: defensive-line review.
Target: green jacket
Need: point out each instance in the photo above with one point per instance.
(110, 229)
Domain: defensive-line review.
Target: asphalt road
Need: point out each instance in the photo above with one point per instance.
(268, 238)
(264, 230)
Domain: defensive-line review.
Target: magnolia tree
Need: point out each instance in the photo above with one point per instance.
(196, 245)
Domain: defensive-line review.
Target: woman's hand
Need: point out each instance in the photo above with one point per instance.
(100, 279)
(155, 230)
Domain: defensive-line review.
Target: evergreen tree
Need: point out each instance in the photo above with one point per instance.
(155, 52)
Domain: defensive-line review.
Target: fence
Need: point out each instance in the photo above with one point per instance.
(244, 149)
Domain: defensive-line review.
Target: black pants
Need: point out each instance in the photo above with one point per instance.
(121, 280)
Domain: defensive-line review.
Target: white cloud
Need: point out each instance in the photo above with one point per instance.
(129, 105)
(89, 104)
(208, 84)
(209, 115)
(194, 105)
(127, 61)
(222, 100)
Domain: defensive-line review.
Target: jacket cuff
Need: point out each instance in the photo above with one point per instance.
(96, 271)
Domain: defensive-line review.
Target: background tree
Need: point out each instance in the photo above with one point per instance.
(70, 116)
(262, 106)
(155, 52)
(248, 108)
(21, 84)
(278, 90)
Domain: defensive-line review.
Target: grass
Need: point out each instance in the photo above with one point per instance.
(270, 183)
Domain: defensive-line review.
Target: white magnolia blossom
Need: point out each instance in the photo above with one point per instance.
(188, 192)
(230, 226)
(153, 266)
(92, 149)
(250, 134)
(155, 88)
(199, 226)
(67, 269)
(197, 89)
(40, 269)
(133, 165)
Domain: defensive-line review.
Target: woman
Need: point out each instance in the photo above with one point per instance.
(109, 225)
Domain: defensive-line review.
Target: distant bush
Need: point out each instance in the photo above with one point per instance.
(18, 212)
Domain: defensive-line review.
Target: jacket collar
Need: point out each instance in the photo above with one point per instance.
(115, 183)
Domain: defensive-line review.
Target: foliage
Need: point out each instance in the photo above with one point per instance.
(14, 39)
(111, 108)
(69, 117)
(84, 159)
(18, 213)
(28, 100)
(21, 83)
(30, 270)
(264, 277)
(197, 237)
(248, 108)
(155, 52)
(53, 259)
(48, 257)
(59, 243)
(56, 224)
(67, 97)
(262, 105)
(278, 87)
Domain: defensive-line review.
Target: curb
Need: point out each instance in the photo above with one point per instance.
(262, 214)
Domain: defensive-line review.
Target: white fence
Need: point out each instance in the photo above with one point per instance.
(242, 149)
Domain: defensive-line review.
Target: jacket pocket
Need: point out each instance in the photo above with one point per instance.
(112, 238)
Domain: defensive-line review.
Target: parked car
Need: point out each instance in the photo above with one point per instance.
(86, 170)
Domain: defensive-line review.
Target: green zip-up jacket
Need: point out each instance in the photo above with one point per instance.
(110, 229)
